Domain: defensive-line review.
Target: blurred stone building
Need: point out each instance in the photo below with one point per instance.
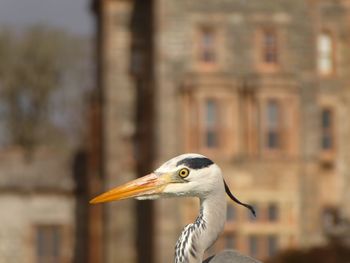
(37, 222)
(261, 87)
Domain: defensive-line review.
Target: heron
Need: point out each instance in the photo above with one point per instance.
(188, 175)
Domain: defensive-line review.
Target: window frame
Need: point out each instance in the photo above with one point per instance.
(331, 54)
(278, 130)
(232, 235)
(272, 212)
(207, 53)
(217, 48)
(194, 121)
(327, 131)
(271, 238)
(269, 49)
(251, 218)
(263, 49)
(253, 238)
(60, 257)
(216, 127)
(231, 217)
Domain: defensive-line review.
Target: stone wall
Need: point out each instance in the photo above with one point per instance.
(33, 192)
(22, 213)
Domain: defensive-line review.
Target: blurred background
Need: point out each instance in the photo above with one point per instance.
(94, 93)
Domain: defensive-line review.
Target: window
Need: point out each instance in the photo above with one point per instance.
(230, 241)
(330, 217)
(269, 44)
(207, 52)
(48, 244)
(272, 245)
(251, 217)
(272, 212)
(211, 124)
(273, 138)
(327, 141)
(253, 245)
(325, 57)
(231, 213)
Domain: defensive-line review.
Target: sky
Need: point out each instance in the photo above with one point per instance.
(72, 15)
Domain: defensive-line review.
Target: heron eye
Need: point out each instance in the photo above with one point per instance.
(184, 172)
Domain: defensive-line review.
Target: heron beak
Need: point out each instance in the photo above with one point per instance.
(148, 185)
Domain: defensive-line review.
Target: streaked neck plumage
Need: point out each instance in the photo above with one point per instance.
(197, 237)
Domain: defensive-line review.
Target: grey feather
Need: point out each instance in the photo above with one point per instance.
(230, 256)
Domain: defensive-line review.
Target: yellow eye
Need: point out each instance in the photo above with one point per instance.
(184, 172)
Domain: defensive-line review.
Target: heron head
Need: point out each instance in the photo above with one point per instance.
(185, 175)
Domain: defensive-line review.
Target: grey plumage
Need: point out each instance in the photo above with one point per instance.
(187, 240)
(230, 256)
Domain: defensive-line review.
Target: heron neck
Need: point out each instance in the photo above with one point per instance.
(213, 208)
(196, 238)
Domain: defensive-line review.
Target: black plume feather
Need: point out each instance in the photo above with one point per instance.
(228, 192)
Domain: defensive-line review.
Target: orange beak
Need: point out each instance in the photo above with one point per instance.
(142, 187)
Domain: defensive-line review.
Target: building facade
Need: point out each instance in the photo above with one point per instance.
(261, 87)
(38, 216)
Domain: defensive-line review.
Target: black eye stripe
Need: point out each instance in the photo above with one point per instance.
(195, 163)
